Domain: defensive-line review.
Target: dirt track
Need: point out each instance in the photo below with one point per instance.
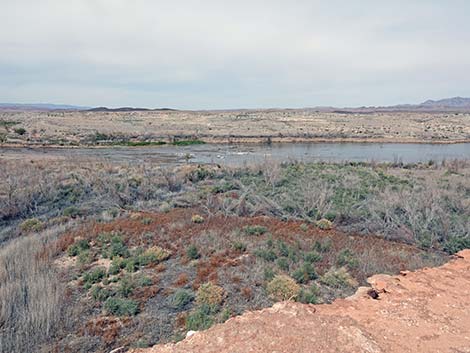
(423, 311)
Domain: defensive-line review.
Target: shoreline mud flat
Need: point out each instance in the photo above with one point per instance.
(237, 155)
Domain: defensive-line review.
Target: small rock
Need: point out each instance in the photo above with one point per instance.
(190, 333)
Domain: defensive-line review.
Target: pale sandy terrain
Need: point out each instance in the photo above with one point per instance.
(236, 126)
(423, 311)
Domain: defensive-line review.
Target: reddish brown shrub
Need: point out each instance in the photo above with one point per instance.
(181, 280)
(247, 293)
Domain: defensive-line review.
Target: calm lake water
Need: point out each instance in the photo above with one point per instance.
(239, 155)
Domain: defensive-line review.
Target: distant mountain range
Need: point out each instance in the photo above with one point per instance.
(456, 104)
(128, 109)
(40, 106)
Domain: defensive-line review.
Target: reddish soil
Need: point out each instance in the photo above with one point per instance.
(423, 311)
(175, 231)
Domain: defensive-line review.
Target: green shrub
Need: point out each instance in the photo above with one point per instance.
(200, 173)
(239, 246)
(303, 227)
(338, 278)
(456, 244)
(141, 343)
(226, 314)
(113, 245)
(99, 293)
(267, 255)
(255, 230)
(269, 274)
(282, 287)
(200, 319)
(283, 249)
(20, 131)
(293, 255)
(283, 264)
(309, 296)
(322, 246)
(312, 256)
(192, 252)
(181, 298)
(188, 142)
(131, 265)
(8, 123)
(121, 307)
(85, 257)
(78, 247)
(95, 275)
(144, 281)
(224, 187)
(270, 242)
(115, 267)
(305, 273)
(99, 136)
(114, 279)
(347, 258)
(126, 286)
(72, 212)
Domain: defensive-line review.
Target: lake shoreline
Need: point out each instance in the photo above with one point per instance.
(240, 154)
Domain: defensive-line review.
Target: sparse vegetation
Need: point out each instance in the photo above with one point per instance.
(128, 245)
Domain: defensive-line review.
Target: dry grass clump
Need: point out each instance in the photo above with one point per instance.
(283, 287)
(31, 294)
(324, 224)
(210, 294)
(197, 219)
(157, 254)
(31, 225)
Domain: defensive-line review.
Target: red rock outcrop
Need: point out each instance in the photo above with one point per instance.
(422, 311)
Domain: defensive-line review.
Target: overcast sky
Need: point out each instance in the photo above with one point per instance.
(233, 54)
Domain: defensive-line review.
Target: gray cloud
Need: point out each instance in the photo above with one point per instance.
(216, 54)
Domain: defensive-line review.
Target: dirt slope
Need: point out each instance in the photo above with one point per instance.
(423, 311)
